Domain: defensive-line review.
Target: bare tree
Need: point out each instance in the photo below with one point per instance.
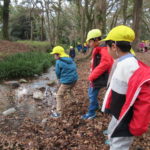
(6, 19)
(125, 6)
(100, 14)
(137, 17)
(58, 11)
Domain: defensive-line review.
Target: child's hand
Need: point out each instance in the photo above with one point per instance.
(91, 84)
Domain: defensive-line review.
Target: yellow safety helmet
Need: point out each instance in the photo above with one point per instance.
(59, 50)
(121, 33)
(71, 46)
(94, 33)
(85, 44)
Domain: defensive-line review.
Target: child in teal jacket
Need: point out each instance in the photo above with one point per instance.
(67, 75)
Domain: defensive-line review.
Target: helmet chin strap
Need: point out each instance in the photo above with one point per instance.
(117, 54)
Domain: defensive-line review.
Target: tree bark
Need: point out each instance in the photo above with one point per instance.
(42, 28)
(6, 19)
(58, 21)
(137, 18)
(79, 10)
(115, 18)
(125, 6)
(83, 26)
(100, 15)
(89, 14)
(31, 32)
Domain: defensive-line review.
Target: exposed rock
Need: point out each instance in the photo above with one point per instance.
(46, 78)
(21, 92)
(13, 84)
(41, 89)
(38, 95)
(9, 111)
(36, 75)
(44, 120)
(51, 83)
(23, 81)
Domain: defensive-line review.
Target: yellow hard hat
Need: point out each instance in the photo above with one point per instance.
(71, 46)
(59, 50)
(85, 44)
(121, 33)
(94, 33)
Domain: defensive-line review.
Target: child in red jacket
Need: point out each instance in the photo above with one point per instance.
(128, 96)
(100, 68)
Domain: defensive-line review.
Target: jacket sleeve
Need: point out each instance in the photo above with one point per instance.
(104, 65)
(141, 112)
(58, 69)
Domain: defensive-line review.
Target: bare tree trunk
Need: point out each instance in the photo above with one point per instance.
(31, 32)
(100, 14)
(42, 28)
(48, 25)
(137, 17)
(83, 26)
(115, 17)
(58, 21)
(80, 14)
(125, 6)
(89, 14)
(42, 22)
(6, 19)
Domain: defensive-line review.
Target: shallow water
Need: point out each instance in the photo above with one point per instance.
(22, 98)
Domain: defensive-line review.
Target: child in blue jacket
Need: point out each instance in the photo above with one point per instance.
(67, 74)
(72, 52)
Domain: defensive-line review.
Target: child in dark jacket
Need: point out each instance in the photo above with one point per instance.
(100, 68)
(127, 98)
(67, 74)
(72, 52)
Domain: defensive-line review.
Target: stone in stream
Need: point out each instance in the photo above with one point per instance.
(9, 111)
(38, 95)
(36, 75)
(42, 89)
(51, 83)
(21, 92)
(23, 81)
(46, 78)
(13, 84)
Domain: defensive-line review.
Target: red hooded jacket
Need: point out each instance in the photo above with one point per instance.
(104, 65)
(137, 97)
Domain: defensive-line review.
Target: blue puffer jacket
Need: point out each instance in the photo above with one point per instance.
(66, 70)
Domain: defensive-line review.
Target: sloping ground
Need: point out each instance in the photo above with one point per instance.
(7, 47)
(145, 57)
(68, 132)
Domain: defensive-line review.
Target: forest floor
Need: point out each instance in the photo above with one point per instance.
(7, 48)
(68, 132)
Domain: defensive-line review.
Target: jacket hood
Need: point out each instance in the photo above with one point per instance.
(67, 60)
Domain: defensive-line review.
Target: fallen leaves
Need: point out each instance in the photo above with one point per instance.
(66, 133)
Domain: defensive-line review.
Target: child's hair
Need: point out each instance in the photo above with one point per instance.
(57, 54)
(124, 46)
(97, 38)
